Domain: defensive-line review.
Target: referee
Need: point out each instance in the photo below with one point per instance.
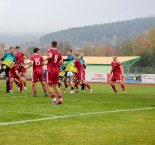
(7, 62)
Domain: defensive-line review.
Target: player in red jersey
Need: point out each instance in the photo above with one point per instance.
(116, 74)
(36, 60)
(15, 76)
(21, 57)
(54, 59)
(81, 72)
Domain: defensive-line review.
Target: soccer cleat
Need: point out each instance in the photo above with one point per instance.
(115, 92)
(34, 95)
(124, 92)
(46, 94)
(54, 102)
(76, 91)
(11, 92)
(72, 92)
(25, 88)
(59, 103)
(91, 91)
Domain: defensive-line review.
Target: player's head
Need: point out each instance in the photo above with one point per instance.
(76, 56)
(36, 50)
(20, 64)
(6, 50)
(54, 44)
(81, 55)
(69, 51)
(17, 48)
(11, 49)
(114, 58)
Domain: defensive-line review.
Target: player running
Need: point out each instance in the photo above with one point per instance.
(21, 57)
(116, 74)
(36, 60)
(54, 59)
(81, 73)
(15, 76)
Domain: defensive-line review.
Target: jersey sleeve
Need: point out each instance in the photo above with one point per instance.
(71, 57)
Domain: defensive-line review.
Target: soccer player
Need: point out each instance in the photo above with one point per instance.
(21, 57)
(36, 60)
(116, 74)
(7, 62)
(82, 60)
(81, 72)
(54, 60)
(69, 68)
(15, 76)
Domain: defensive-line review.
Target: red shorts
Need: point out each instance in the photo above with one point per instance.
(116, 77)
(13, 76)
(37, 77)
(52, 78)
(82, 75)
(76, 76)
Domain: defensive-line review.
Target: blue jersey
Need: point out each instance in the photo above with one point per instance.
(82, 61)
(8, 59)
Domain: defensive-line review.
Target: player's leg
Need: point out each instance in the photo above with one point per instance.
(44, 88)
(25, 76)
(7, 69)
(122, 86)
(59, 94)
(65, 81)
(21, 81)
(112, 81)
(34, 80)
(11, 84)
(41, 80)
(49, 77)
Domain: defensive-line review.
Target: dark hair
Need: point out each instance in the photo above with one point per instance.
(76, 54)
(54, 44)
(11, 47)
(69, 50)
(17, 47)
(35, 50)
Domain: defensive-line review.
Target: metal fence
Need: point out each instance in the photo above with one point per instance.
(139, 70)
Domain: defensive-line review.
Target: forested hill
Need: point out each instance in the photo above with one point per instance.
(101, 34)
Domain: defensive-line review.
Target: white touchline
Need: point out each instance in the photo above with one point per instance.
(74, 115)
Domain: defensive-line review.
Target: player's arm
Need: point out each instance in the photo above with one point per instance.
(50, 55)
(122, 70)
(25, 60)
(31, 64)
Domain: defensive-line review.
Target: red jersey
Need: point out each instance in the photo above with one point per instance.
(53, 64)
(116, 67)
(14, 69)
(37, 61)
(78, 65)
(19, 57)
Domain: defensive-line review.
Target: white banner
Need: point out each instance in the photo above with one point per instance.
(96, 77)
(148, 78)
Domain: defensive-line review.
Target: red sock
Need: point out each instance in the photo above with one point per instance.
(34, 89)
(44, 87)
(21, 87)
(10, 86)
(123, 87)
(24, 84)
(60, 97)
(87, 85)
(76, 86)
(52, 95)
(113, 87)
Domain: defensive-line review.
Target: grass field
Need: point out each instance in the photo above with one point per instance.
(101, 118)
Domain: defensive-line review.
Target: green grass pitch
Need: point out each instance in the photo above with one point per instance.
(101, 118)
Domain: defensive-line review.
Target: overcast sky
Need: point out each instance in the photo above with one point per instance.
(45, 16)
